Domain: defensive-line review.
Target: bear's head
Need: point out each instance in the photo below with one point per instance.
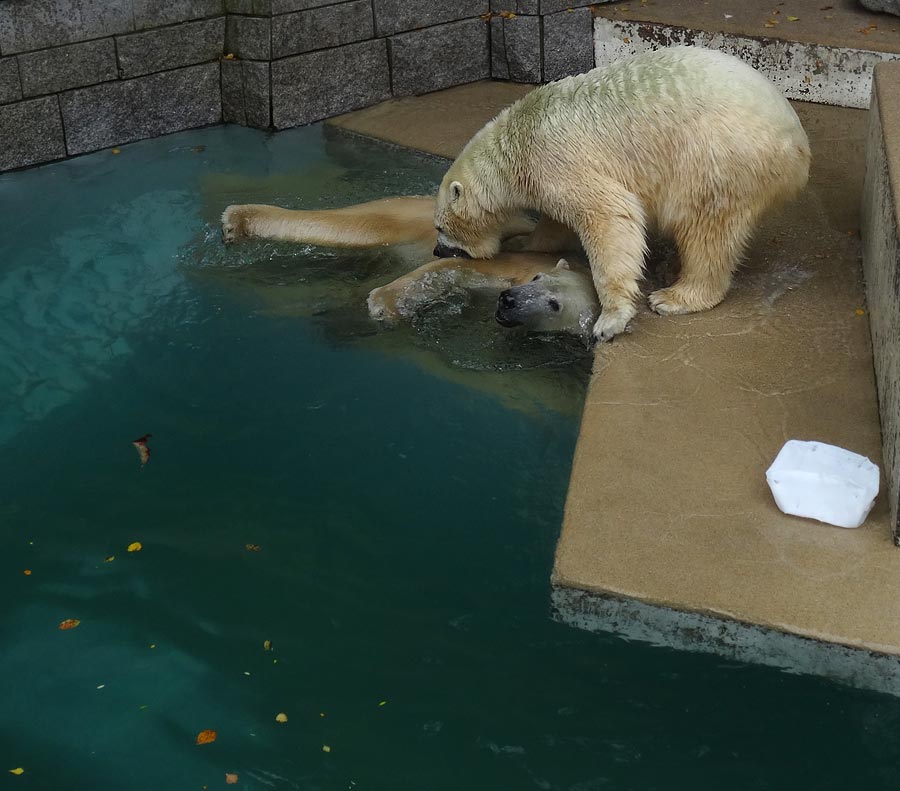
(467, 225)
(562, 300)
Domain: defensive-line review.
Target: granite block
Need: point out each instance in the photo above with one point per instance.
(71, 66)
(31, 132)
(153, 13)
(568, 43)
(516, 48)
(438, 57)
(121, 112)
(171, 47)
(10, 87)
(246, 96)
(288, 6)
(320, 28)
(255, 7)
(307, 88)
(249, 37)
(395, 16)
(555, 6)
(35, 24)
(516, 6)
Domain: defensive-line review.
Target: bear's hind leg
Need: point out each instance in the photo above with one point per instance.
(710, 250)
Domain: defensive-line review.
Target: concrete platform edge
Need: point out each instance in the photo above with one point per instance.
(741, 642)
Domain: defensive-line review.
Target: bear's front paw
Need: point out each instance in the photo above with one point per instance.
(612, 323)
(235, 224)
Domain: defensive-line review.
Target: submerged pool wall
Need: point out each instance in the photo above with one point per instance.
(78, 76)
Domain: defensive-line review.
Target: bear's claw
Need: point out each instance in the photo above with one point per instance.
(611, 323)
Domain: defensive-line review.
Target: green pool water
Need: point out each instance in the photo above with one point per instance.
(401, 492)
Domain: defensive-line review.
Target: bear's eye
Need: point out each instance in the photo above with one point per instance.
(554, 305)
(536, 277)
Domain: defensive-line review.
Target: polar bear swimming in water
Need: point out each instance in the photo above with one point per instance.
(690, 142)
(569, 298)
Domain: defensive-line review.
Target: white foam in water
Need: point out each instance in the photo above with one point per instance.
(823, 482)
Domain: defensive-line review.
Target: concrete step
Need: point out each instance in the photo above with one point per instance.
(815, 50)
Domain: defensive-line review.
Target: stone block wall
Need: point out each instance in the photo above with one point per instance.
(80, 75)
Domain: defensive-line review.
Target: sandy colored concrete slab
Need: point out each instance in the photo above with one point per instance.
(830, 23)
(440, 123)
(668, 502)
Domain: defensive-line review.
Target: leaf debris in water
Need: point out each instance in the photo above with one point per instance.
(69, 623)
(281, 717)
(206, 737)
(143, 450)
(135, 546)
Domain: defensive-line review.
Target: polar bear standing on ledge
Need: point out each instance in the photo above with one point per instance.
(690, 141)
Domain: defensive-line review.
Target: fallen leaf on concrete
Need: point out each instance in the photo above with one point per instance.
(230, 778)
(860, 312)
(135, 546)
(793, 19)
(229, 56)
(69, 623)
(140, 445)
(206, 737)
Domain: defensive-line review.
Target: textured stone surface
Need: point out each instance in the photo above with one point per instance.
(260, 7)
(31, 132)
(568, 43)
(554, 6)
(317, 85)
(395, 16)
(287, 6)
(438, 57)
(120, 112)
(249, 37)
(516, 48)
(10, 89)
(34, 24)
(888, 6)
(171, 47)
(881, 266)
(151, 13)
(72, 66)
(321, 28)
(516, 6)
(245, 93)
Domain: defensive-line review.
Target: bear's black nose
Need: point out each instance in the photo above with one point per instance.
(507, 301)
(444, 251)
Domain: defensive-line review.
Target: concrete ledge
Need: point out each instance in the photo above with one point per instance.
(813, 52)
(741, 642)
(881, 261)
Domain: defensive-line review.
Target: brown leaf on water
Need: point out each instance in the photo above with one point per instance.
(69, 623)
(230, 778)
(253, 547)
(143, 450)
(27, 572)
(206, 737)
(198, 149)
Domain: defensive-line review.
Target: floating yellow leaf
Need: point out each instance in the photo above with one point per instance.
(17, 771)
(267, 645)
(153, 645)
(109, 558)
(116, 151)
(281, 717)
(383, 703)
(326, 748)
(27, 572)
(69, 623)
(253, 547)
(206, 737)
(135, 546)
(230, 778)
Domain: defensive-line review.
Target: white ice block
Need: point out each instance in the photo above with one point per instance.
(823, 482)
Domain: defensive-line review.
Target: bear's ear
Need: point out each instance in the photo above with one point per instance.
(562, 264)
(455, 191)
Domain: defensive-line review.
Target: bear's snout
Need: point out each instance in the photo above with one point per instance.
(507, 300)
(442, 250)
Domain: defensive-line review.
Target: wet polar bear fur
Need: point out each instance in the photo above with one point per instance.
(690, 142)
(566, 296)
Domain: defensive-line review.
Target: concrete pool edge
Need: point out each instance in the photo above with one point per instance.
(661, 626)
